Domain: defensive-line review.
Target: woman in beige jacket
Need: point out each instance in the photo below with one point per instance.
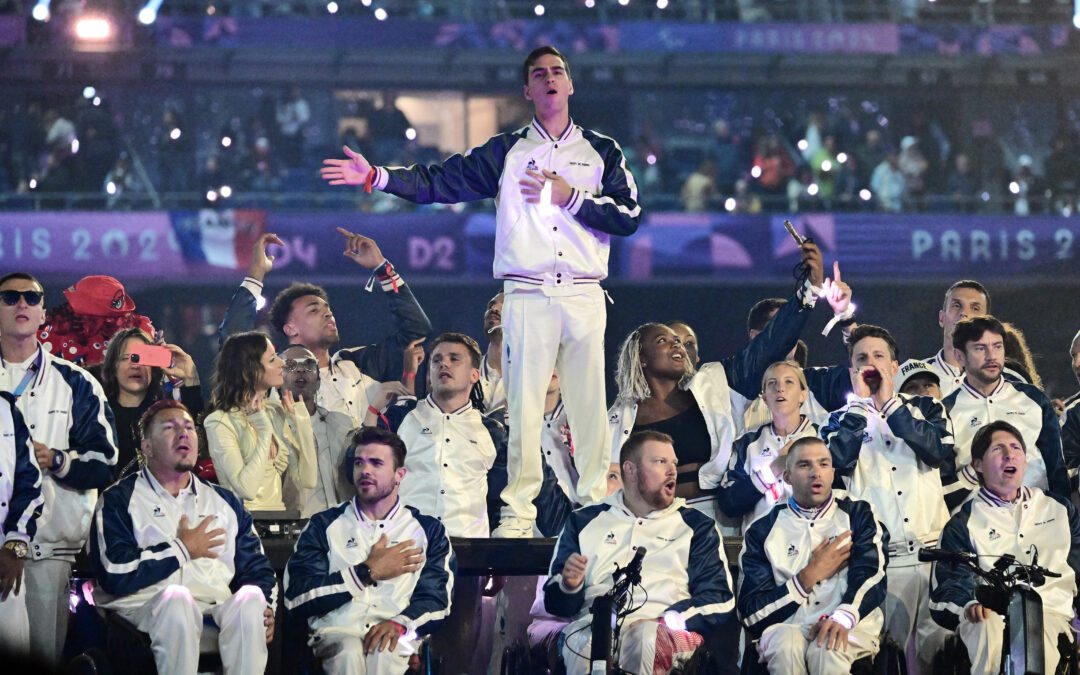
(253, 440)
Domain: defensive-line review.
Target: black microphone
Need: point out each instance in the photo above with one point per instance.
(938, 554)
(635, 565)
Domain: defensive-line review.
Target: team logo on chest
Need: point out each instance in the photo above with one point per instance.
(975, 421)
(351, 543)
(610, 538)
(158, 513)
(792, 551)
(531, 166)
(993, 534)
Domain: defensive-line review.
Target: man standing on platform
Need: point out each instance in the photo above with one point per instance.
(561, 193)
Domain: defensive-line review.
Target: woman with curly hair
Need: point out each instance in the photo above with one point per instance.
(252, 440)
(132, 388)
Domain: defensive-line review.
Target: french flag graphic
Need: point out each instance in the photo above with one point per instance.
(219, 239)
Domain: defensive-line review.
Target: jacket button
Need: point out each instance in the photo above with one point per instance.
(448, 440)
(555, 228)
(560, 252)
(899, 492)
(446, 464)
(31, 426)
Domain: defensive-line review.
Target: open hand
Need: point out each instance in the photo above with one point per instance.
(353, 170)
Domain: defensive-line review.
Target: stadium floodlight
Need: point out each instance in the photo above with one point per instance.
(41, 10)
(1076, 13)
(148, 14)
(93, 28)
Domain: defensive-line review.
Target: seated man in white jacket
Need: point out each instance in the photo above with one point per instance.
(685, 585)
(1006, 517)
(171, 551)
(813, 573)
(371, 575)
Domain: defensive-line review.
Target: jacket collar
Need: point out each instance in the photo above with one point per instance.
(812, 513)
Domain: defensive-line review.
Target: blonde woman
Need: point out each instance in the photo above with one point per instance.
(254, 441)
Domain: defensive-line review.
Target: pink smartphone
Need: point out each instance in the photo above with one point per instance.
(151, 355)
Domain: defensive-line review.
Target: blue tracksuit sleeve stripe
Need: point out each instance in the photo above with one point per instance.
(1049, 443)
(250, 562)
(866, 584)
(711, 600)
(745, 369)
(738, 495)
(843, 434)
(429, 603)
(311, 589)
(26, 501)
(929, 436)
(952, 586)
(91, 447)
(761, 601)
(616, 209)
(461, 178)
(558, 602)
(120, 565)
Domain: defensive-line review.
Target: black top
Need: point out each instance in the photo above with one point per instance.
(127, 424)
(693, 444)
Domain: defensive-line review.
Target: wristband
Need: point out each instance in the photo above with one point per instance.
(845, 318)
(368, 181)
(401, 629)
(406, 375)
(377, 413)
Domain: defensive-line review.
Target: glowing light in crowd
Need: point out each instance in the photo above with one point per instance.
(410, 134)
(41, 10)
(538, 10)
(93, 28)
(148, 14)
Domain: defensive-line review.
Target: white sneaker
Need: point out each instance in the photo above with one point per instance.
(513, 528)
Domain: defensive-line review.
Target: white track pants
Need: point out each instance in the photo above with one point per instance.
(540, 333)
(174, 622)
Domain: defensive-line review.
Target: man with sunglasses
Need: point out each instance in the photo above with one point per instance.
(74, 437)
(331, 429)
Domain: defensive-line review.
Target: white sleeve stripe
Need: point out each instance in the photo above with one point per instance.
(315, 594)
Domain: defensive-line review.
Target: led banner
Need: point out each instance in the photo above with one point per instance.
(211, 246)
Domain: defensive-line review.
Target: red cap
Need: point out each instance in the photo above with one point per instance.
(99, 296)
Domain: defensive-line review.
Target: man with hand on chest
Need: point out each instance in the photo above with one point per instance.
(173, 554)
(371, 575)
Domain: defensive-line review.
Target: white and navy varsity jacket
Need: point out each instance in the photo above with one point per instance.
(536, 244)
(64, 407)
(898, 459)
(684, 570)
(322, 587)
(777, 546)
(1025, 407)
(135, 551)
(1035, 525)
(749, 488)
(20, 478)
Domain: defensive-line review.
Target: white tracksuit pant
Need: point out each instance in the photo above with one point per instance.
(907, 610)
(787, 649)
(984, 639)
(174, 622)
(48, 590)
(343, 654)
(14, 625)
(542, 332)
